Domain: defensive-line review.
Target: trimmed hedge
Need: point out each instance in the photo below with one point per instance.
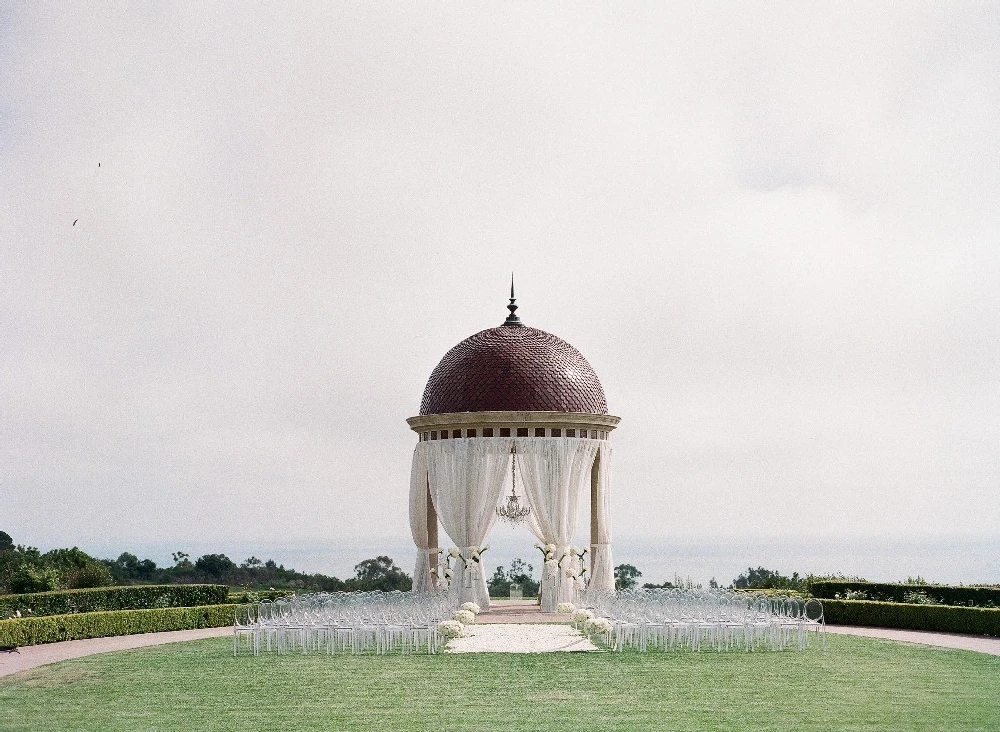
(941, 618)
(243, 598)
(132, 597)
(54, 628)
(893, 592)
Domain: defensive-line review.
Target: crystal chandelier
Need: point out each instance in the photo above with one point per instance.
(513, 511)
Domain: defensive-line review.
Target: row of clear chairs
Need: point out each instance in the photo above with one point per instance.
(696, 619)
(342, 622)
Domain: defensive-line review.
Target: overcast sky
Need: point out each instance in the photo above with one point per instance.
(773, 229)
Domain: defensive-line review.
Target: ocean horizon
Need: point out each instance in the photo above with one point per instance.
(941, 559)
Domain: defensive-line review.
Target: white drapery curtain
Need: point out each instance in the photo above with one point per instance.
(466, 481)
(554, 472)
(602, 566)
(422, 580)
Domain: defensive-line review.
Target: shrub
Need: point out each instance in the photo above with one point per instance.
(941, 618)
(34, 579)
(245, 596)
(917, 598)
(54, 628)
(896, 592)
(93, 575)
(25, 569)
(132, 597)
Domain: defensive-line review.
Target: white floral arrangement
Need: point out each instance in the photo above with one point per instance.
(465, 617)
(598, 625)
(582, 615)
(471, 607)
(454, 553)
(450, 628)
(551, 567)
(565, 607)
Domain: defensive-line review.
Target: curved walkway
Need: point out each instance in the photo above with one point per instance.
(33, 656)
(979, 643)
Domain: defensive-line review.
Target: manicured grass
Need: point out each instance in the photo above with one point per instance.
(857, 684)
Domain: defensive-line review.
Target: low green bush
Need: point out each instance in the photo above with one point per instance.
(972, 596)
(54, 628)
(941, 618)
(244, 596)
(133, 597)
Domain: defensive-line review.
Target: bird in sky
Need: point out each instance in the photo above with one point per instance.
(74, 221)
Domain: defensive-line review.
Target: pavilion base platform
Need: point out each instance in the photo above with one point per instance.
(519, 611)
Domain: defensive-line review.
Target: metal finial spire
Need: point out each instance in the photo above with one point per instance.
(512, 319)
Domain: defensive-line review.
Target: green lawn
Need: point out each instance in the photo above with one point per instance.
(856, 684)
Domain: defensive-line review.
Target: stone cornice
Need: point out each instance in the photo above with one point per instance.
(496, 419)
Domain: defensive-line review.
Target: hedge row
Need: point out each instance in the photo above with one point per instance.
(132, 597)
(53, 628)
(941, 618)
(242, 597)
(895, 592)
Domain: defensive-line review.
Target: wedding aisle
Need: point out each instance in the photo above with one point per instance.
(519, 638)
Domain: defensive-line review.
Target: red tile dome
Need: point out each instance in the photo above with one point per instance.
(513, 368)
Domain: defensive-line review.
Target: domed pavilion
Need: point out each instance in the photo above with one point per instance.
(512, 393)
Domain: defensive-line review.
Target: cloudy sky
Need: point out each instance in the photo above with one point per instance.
(773, 229)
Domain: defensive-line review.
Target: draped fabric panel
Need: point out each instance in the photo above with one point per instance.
(418, 521)
(602, 566)
(467, 478)
(554, 472)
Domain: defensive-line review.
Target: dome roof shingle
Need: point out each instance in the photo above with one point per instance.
(513, 368)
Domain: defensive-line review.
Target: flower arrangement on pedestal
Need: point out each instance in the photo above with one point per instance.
(465, 617)
(565, 607)
(471, 607)
(450, 628)
(598, 625)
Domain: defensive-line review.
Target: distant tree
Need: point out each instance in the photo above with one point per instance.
(499, 584)
(77, 569)
(95, 574)
(381, 573)
(664, 586)
(181, 559)
(6, 543)
(129, 568)
(269, 564)
(768, 579)
(214, 565)
(251, 562)
(518, 573)
(30, 578)
(626, 576)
